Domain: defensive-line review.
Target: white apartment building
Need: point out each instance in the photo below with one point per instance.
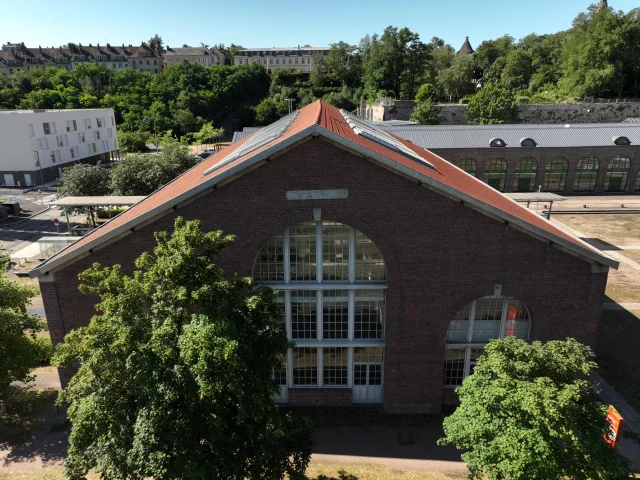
(300, 58)
(38, 144)
(203, 56)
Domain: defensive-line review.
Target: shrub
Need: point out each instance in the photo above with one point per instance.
(43, 349)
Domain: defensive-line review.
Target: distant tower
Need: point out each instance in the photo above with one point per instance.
(603, 4)
(466, 49)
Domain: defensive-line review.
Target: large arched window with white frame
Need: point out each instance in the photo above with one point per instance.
(331, 283)
(474, 325)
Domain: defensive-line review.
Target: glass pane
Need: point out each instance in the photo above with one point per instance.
(454, 366)
(459, 327)
(488, 315)
(360, 374)
(476, 352)
(369, 262)
(305, 366)
(303, 314)
(302, 240)
(367, 354)
(335, 251)
(334, 366)
(517, 320)
(468, 165)
(369, 314)
(335, 314)
(375, 374)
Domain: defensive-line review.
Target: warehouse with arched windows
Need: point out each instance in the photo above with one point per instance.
(393, 267)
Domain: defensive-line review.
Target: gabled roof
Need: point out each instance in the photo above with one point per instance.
(321, 119)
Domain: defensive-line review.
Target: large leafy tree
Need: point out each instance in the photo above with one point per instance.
(492, 105)
(456, 81)
(425, 113)
(18, 352)
(175, 371)
(83, 179)
(529, 412)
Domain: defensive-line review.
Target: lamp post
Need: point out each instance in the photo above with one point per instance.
(37, 152)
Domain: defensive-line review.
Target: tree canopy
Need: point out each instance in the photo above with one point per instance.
(492, 105)
(530, 412)
(18, 328)
(175, 371)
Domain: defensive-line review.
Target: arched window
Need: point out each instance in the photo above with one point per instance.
(497, 142)
(617, 174)
(472, 328)
(555, 176)
(525, 176)
(468, 165)
(621, 141)
(331, 283)
(586, 174)
(528, 142)
(495, 173)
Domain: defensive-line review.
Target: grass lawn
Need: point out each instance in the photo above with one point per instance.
(623, 285)
(621, 229)
(318, 470)
(632, 255)
(617, 352)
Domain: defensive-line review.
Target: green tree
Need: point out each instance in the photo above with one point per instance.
(425, 113)
(517, 70)
(18, 350)
(426, 92)
(491, 105)
(155, 44)
(132, 142)
(208, 133)
(175, 371)
(530, 412)
(82, 180)
(457, 80)
(268, 111)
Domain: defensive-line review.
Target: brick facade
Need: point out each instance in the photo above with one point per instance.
(542, 155)
(319, 397)
(440, 255)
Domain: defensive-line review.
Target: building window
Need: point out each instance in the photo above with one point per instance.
(555, 176)
(99, 122)
(468, 165)
(45, 144)
(621, 141)
(525, 176)
(472, 328)
(73, 153)
(331, 284)
(75, 126)
(497, 142)
(32, 133)
(617, 174)
(47, 128)
(586, 175)
(97, 134)
(495, 173)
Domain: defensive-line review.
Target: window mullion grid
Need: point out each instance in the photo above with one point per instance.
(319, 252)
(472, 315)
(351, 313)
(467, 361)
(503, 317)
(287, 313)
(319, 314)
(350, 367)
(352, 255)
(290, 367)
(320, 366)
(286, 246)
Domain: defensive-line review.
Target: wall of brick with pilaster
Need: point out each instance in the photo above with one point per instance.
(440, 255)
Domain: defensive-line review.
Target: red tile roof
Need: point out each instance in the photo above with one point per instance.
(333, 122)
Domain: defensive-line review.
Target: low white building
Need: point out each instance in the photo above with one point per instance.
(300, 58)
(38, 144)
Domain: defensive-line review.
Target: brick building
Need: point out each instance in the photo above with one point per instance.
(578, 159)
(393, 266)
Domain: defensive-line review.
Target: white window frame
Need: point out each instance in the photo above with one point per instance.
(319, 286)
(470, 343)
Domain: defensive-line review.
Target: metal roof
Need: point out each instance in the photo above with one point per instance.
(97, 201)
(535, 197)
(237, 136)
(479, 136)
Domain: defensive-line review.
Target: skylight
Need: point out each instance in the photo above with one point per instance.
(261, 138)
(366, 130)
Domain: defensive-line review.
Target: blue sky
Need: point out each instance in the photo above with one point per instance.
(259, 23)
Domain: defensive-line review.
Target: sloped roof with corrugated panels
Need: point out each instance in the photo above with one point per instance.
(480, 136)
(321, 119)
